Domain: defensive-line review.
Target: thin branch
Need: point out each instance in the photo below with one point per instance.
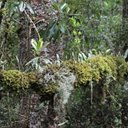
(32, 23)
(61, 124)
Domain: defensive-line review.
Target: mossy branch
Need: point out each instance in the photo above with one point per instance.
(94, 69)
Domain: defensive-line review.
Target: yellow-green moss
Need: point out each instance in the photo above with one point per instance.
(112, 64)
(32, 76)
(83, 72)
(14, 79)
(103, 65)
(100, 64)
(95, 69)
(52, 88)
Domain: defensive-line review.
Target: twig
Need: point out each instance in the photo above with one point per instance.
(59, 125)
(32, 23)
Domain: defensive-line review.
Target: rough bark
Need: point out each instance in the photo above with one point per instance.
(24, 36)
(46, 116)
(24, 110)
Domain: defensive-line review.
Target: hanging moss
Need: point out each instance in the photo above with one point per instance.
(46, 80)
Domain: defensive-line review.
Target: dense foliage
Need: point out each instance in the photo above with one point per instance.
(62, 63)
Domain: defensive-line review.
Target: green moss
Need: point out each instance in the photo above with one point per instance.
(96, 68)
(83, 72)
(51, 88)
(43, 89)
(93, 68)
(112, 64)
(103, 66)
(32, 76)
(14, 79)
(122, 68)
(100, 63)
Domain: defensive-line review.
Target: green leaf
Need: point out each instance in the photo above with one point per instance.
(52, 30)
(40, 44)
(34, 44)
(33, 61)
(63, 6)
(22, 6)
(55, 6)
(72, 21)
(62, 28)
(56, 33)
(106, 3)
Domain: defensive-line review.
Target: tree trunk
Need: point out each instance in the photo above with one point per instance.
(24, 110)
(124, 49)
(125, 26)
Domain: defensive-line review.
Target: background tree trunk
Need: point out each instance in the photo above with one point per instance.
(125, 26)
